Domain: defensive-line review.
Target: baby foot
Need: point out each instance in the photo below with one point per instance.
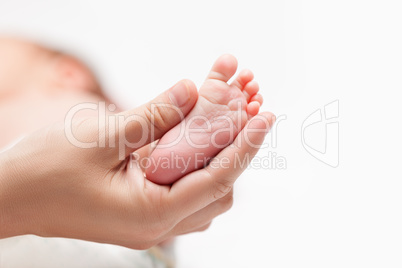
(220, 113)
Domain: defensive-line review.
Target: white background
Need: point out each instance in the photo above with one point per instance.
(305, 54)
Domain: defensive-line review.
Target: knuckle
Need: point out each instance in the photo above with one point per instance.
(156, 116)
(228, 202)
(225, 203)
(222, 188)
(205, 227)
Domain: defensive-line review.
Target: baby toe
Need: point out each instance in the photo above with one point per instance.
(258, 98)
(224, 68)
(244, 77)
(253, 108)
(251, 89)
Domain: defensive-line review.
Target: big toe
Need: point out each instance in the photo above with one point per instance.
(224, 68)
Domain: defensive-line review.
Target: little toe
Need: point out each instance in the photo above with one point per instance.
(258, 98)
(243, 78)
(251, 89)
(253, 108)
(224, 68)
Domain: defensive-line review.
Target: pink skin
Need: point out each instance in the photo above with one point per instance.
(220, 113)
(38, 86)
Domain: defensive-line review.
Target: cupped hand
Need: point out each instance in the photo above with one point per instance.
(79, 179)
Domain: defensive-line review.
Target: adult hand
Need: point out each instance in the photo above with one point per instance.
(51, 187)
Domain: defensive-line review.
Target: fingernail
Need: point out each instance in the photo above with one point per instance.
(179, 94)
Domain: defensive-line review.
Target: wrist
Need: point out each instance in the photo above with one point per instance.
(13, 221)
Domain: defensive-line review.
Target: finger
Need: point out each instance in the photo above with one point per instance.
(202, 187)
(204, 216)
(147, 123)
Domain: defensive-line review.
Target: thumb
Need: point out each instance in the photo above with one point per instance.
(149, 122)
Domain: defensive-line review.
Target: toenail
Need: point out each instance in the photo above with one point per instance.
(179, 95)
